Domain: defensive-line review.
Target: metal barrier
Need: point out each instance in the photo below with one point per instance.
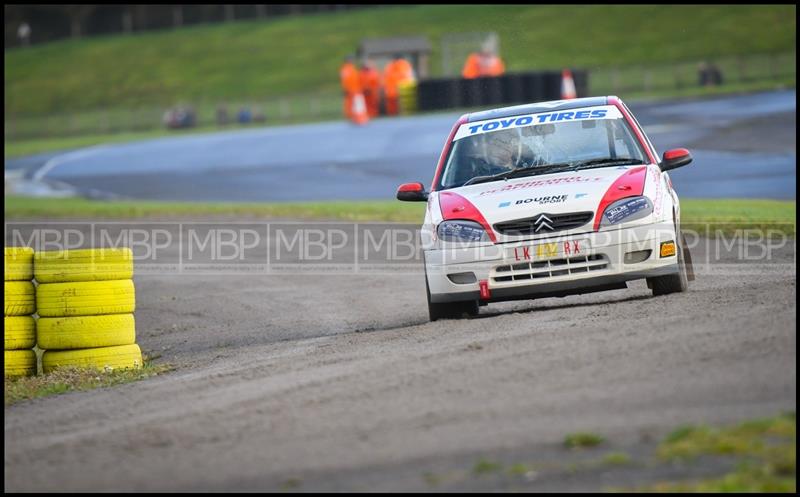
(508, 89)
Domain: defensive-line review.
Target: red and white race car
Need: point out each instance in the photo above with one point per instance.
(549, 199)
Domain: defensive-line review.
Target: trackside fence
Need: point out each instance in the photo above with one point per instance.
(737, 73)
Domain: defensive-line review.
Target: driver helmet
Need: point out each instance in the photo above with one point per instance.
(503, 148)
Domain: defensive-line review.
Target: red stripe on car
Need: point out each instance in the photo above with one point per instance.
(447, 145)
(630, 184)
(454, 206)
(636, 130)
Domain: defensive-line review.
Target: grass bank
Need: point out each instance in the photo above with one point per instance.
(765, 451)
(700, 215)
(244, 60)
(72, 379)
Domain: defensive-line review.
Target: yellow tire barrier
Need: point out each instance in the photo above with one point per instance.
(19, 362)
(18, 298)
(88, 298)
(83, 265)
(408, 97)
(18, 264)
(102, 358)
(84, 332)
(19, 332)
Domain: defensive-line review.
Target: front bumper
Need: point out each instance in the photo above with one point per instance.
(607, 260)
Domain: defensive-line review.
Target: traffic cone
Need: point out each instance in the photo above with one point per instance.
(360, 115)
(567, 85)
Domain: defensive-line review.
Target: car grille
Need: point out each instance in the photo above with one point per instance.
(549, 224)
(548, 269)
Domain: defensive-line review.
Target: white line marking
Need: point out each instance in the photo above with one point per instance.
(61, 159)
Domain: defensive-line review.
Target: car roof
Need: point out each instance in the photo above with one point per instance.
(553, 105)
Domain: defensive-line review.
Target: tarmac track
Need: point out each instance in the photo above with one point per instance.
(340, 161)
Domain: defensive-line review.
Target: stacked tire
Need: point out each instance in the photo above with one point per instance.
(85, 300)
(19, 306)
(408, 97)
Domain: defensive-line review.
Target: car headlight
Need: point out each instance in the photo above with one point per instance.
(462, 231)
(627, 209)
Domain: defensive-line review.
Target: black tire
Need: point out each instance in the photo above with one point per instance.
(687, 259)
(450, 310)
(672, 283)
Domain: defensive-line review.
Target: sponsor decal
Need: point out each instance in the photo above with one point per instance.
(550, 199)
(480, 127)
(504, 204)
(580, 195)
(626, 209)
(541, 182)
(657, 197)
(628, 184)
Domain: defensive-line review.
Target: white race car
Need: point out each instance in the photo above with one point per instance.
(549, 199)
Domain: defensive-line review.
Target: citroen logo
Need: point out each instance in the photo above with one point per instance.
(542, 222)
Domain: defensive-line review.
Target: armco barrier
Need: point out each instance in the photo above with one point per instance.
(508, 89)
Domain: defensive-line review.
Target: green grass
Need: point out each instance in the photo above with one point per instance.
(301, 55)
(616, 459)
(729, 215)
(70, 379)
(29, 207)
(766, 451)
(582, 440)
(701, 215)
(518, 469)
(485, 466)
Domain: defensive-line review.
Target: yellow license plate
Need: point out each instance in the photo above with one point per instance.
(552, 250)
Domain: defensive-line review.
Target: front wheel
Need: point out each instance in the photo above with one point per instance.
(450, 310)
(672, 283)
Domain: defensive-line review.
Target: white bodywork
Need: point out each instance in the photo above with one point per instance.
(550, 264)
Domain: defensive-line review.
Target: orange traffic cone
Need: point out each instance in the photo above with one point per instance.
(360, 115)
(567, 85)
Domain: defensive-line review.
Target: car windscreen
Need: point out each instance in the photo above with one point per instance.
(540, 143)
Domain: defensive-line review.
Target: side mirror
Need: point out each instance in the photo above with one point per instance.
(675, 158)
(412, 192)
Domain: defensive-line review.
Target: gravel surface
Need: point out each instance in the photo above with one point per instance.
(339, 382)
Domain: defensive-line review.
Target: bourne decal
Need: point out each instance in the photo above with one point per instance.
(480, 127)
(550, 199)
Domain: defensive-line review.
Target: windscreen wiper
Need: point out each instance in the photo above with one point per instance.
(521, 171)
(607, 161)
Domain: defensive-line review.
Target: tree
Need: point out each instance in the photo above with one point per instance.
(77, 16)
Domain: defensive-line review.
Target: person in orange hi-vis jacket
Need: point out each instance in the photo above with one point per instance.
(371, 86)
(351, 84)
(482, 64)
(397, 71)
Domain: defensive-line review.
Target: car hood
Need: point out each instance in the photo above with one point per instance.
(552, 194)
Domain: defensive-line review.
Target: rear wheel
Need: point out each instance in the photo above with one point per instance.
(450, 310)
